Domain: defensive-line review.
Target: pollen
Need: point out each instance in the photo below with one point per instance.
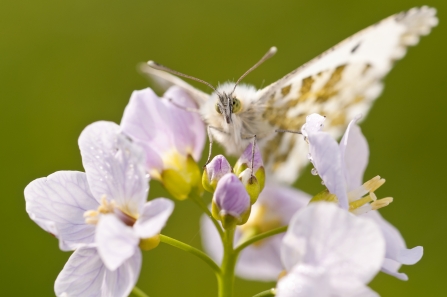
(92, 216)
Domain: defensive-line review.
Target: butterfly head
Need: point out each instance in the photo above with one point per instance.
(226, 105)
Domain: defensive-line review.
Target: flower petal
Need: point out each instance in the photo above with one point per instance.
(262, 261)
(392, 267)
(82, 275)
(231, 197)
(247, 156)
(354, 153)
(85, 275)
(211, 241)
(114, 166)
(57, 204)
(350, 249)
(146, 121)
(121, 281)
(116, 242)
(396, 249)
(153, 218)
(327, 160)
(314, 123)
(304, 281)
(162, 126)
(217, 168)
(190, 129)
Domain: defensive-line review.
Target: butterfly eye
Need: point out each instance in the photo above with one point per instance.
(237, 105)
(217, 108)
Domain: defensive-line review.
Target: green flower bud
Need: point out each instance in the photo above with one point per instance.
(251, 184)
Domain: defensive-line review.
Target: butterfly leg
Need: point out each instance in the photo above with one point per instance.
(252, 151)
(288, 131)
(210, 138)
(195, 110)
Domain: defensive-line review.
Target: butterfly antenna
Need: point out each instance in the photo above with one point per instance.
(267, 56)
(166, 69)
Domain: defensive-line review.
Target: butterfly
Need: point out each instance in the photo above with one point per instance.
(340, 83)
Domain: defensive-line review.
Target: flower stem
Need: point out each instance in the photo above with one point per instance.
(187, 248)
(138, 292)
(260, 237)
(203, 206)
(267, 293)
(226, 278)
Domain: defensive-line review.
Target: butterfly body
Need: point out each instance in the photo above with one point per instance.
(245, 123)
(341, 83)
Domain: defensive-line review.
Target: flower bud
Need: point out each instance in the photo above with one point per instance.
(251, 184)
(150, 243)
(182, 178)
(214, 171)
(231, 202)
(245, 160)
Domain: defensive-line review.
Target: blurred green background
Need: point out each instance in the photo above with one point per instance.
(65, 64)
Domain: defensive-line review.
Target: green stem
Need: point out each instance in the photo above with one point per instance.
(187, 248)
(267, 293)
(203, 206)
(226, 278)
(260, 237)
(138, 292)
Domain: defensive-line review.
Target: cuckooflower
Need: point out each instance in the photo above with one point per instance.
(341, 167)
(329, 252)
(260, 261)
(102, 213)
(171, 136)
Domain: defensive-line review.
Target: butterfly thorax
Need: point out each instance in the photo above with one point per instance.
(246, 117)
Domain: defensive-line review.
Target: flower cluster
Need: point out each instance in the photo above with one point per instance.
(329, 244)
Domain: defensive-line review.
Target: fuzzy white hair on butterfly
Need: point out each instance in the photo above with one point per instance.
(340, 83)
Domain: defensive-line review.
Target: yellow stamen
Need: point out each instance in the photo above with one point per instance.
(381, 203)
(374, 183)
(92, 216)
(360, 202)
(282, 274)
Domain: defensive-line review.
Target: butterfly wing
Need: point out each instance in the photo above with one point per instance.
(164, 80)
(340, 84)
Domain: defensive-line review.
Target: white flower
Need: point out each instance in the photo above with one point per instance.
(330, 252)
(102, 214)
(260, 261)
(341, 168)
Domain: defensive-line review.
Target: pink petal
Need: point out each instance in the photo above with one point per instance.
(153, 218)
(57, 204)
(116, 242)
(114, 166)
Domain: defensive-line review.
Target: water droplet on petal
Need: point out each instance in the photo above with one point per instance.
(314, 171)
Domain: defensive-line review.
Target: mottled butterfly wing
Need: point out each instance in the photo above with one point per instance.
(340, 83)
